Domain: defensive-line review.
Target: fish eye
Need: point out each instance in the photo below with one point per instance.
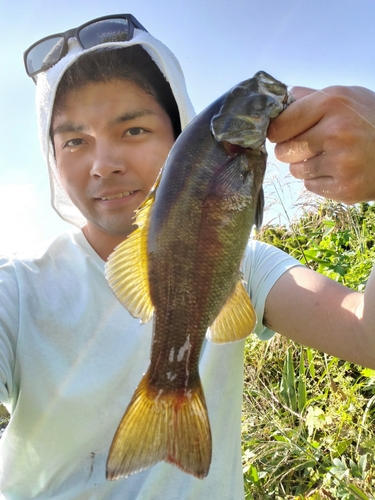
(240, 91)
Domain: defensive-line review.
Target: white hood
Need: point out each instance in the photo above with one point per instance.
(47, 83)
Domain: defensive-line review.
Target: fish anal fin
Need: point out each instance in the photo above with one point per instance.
(127, 270)
(158, 425)
(236, 320)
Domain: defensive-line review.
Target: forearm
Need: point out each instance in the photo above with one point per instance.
(320, 313)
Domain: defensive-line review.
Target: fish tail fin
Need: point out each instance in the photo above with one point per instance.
(161, 425)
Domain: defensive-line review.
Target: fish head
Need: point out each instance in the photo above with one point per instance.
(244, 117)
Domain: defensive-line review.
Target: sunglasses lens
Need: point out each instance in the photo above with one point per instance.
(44, 55)
(108, 30)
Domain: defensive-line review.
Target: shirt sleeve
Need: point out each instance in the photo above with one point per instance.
(262, 266)
(9, 322)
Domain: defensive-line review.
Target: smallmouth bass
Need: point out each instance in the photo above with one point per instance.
(181, 265)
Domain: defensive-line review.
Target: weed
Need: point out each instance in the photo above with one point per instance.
(308, 418)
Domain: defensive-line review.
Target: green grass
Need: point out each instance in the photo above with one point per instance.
(308, 418)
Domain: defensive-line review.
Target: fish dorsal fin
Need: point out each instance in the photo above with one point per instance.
(126, 269)
(236, 320)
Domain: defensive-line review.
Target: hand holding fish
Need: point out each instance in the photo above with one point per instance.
(328, 137)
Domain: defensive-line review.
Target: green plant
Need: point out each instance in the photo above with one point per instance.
(308, 418)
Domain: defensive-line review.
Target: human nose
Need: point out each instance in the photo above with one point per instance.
(107, 162)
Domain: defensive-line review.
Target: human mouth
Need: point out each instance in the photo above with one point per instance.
(117, 196)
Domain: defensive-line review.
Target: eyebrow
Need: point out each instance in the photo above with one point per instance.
(131, 115)
(69, 127)
(124, 117)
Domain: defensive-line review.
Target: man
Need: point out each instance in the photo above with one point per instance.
(70, 354)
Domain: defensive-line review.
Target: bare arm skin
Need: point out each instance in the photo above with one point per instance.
(328, 137)
(317, 312)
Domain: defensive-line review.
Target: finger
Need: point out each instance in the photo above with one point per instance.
(303, 147)
(322, 186)
(300, 116)
(320, 178)
(328, 187)
(299, 92)
(310, 169)
(315, 179)
(345, 192)
(294, 151)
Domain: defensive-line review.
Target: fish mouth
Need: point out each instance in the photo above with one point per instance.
(123, 194)
(245, 131)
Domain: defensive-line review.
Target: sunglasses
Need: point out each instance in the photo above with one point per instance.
(46, 52)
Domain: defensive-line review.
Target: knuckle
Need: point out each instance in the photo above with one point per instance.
(337, 93)
(339, 134)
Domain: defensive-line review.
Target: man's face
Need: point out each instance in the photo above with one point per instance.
(110, 139)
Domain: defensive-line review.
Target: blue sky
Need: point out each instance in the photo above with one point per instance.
(219, 43)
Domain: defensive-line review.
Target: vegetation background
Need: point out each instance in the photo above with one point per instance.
(308, 418)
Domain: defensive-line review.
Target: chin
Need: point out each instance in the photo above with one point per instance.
(120, 232)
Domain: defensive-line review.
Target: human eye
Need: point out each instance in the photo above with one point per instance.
(134, 131)
(73, 143)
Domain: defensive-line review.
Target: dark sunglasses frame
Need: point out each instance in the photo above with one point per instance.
(74, 32)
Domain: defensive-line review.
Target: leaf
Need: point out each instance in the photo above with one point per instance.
(309, 353)
(362, 462)
(357, 491)
(342, 446)
(288, 382)
(368, 372)
(314, 419)
(302, 393)
(340, 469)
(355, 470)
(254, 474)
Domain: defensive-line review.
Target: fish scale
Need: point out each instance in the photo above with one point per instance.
(182, 264)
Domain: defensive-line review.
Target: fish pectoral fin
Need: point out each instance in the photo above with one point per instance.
(127, 270)
(259, 209)
(158, 425)
(236, 320)
(230, 179)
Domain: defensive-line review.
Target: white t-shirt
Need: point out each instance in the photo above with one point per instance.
(70, 359)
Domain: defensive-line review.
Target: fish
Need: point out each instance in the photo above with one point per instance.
(181, 266)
